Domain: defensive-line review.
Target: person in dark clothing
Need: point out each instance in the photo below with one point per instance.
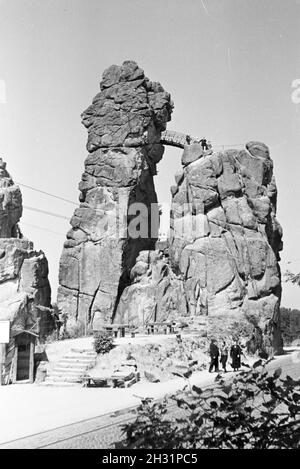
(224, 355)
(214, 356)
(236, 354)
(57, 322)
(63, 319)
(204, 145)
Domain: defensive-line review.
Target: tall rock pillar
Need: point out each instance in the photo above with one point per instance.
(124, 123)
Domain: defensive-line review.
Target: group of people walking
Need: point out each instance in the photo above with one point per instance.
(220, 353)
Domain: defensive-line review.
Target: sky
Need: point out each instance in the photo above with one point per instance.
(232, 68)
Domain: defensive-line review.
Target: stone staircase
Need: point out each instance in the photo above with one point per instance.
(71, 369)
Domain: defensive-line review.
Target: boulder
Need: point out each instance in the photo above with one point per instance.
(151, 377)
(191, 153)
(258, 149)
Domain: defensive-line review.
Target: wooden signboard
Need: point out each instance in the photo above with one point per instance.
(4, 339)
(4, 332)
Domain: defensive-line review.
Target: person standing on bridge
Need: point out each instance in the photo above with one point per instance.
(204, 145)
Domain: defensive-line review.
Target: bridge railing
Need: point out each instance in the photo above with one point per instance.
(220, 146)
(179, 139)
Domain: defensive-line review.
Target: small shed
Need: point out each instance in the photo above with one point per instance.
(22, 364)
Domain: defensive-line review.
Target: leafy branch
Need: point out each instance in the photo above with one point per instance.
(255, 409)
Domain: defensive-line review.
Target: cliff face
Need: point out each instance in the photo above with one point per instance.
(223, 253)
(124, 125)
(24, 286)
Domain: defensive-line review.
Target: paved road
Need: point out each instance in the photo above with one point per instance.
(99, 432)
(102, 432)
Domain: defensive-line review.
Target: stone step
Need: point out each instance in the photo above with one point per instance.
(66, 372)
(83, 355)
(79, 357)
(60, 382)
(71, 368)
(77, 361)
(84, 351)
(67, 369)
(76, 365)
(69, 364)
(51, 382)
(64, 378)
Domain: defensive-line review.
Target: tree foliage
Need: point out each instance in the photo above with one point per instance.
(290, 324)
(293, 278)
(254, 410)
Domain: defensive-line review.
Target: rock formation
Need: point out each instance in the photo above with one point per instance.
(225, 239)
(24, 286)
(124, 126)
(221, 263)
(156, 293)
(223, 253)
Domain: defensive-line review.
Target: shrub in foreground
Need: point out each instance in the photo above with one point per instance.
(254, 410)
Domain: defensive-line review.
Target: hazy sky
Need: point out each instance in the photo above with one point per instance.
(228, 64)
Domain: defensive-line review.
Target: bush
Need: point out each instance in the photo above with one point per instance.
(52, 337)
(103, 342)
(254, 410)
(290, 324)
